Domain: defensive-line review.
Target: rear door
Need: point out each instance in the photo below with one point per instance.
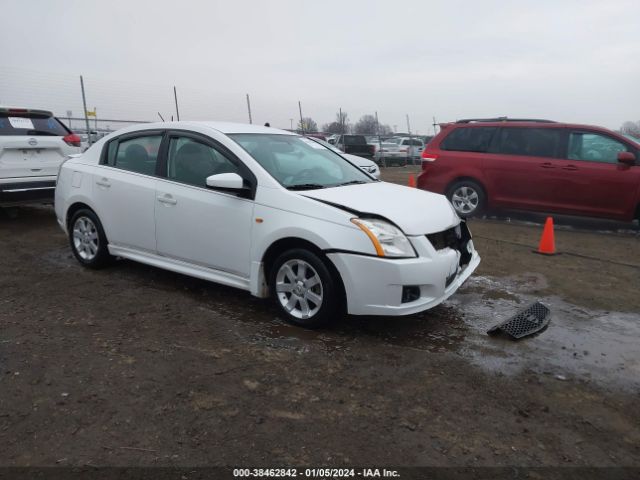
(124, 189)
(593, 181)
(31, 144)
(522, 167)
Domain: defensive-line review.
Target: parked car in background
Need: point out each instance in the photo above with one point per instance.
(410, 147)
(266, 211)
(33, 145)
(386, 153)
(353, 144)
(363, 163)
(534, 165)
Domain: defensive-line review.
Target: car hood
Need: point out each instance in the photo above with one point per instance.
(416, 212)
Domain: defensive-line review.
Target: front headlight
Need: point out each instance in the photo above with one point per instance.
(388, 240)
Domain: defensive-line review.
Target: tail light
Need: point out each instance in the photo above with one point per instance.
(427, 159)
(72, 140)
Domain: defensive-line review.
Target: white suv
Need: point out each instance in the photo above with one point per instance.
(266, 211)
(33, 145)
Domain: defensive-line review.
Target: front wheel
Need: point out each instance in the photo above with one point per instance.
(467, 197)
(304, 288)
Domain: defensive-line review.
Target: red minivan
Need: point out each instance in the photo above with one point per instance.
(540, 165)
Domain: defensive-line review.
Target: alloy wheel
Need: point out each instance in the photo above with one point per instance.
(465, 199)
(85, 238)
(299, 288)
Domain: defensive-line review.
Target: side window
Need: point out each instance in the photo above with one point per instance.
(593, 147)
(192, 162)
(469, 139)
(136, 154)
(533, 142)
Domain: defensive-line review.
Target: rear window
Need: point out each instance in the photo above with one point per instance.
(354, 140)
(533, 142)
(32, 125)
(469, 139)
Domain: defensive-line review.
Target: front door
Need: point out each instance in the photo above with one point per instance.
(194, 223)
(593, 181)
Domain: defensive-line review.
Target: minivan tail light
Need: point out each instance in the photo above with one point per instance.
(72, 140)
(428, 158)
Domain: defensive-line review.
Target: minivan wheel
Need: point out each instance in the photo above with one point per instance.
(304, 288)
(87, 239)
(467, 197)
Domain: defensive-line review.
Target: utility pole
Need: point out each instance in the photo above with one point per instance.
(95, 116)
(409, 150)
(84, 104)
(249, 109)
(175, 96)
(382, 158)
(301, 121)
(291, 121)
(434, 126)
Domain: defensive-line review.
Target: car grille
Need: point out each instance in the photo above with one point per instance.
(456, 238)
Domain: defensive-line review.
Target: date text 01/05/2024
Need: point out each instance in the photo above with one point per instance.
(315, 473)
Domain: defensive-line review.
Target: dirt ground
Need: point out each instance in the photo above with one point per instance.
(133, 366)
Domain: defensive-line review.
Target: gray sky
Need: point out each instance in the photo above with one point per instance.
(563, 59)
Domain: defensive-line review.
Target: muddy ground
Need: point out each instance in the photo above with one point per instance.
(137, 366)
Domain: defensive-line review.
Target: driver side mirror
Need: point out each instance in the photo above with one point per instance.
(227, 182)
(627, 158)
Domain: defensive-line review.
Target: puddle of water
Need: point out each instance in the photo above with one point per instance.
(578, 344)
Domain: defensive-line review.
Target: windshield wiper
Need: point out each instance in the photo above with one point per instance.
(305, 186)
(352, 182)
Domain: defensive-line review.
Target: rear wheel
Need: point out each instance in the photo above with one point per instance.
(467, 197)
(87, 239)
(304, 288)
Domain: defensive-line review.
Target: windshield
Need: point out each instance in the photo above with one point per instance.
(299, 163)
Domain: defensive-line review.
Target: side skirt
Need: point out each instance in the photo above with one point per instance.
(179, 266)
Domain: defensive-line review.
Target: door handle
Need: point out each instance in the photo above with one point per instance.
(103, 182)
(547, 165)
(167, 199)
(570, 168)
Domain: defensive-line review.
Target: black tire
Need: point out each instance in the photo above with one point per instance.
(402, 163)
(329, 289)
(92, 238)
(475, 201)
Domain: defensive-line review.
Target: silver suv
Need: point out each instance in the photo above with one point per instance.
(33, 145)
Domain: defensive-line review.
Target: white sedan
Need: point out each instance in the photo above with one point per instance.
(266, 211)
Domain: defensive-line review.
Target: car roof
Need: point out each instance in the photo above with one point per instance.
(520, 123)
(222, 127)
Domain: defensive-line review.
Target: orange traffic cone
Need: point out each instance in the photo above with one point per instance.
(412, 181)
(547, 242)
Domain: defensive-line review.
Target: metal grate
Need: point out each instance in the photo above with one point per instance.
(527, 321)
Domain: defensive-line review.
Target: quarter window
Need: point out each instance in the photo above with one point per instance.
(593, 147)
(192, 162)
(469, 139)
(533, 142)
(138, 154)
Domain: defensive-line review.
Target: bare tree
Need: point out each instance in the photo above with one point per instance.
(366, 124)
(308, 124)
(340, 125)
(631, 128)
(385, 129)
